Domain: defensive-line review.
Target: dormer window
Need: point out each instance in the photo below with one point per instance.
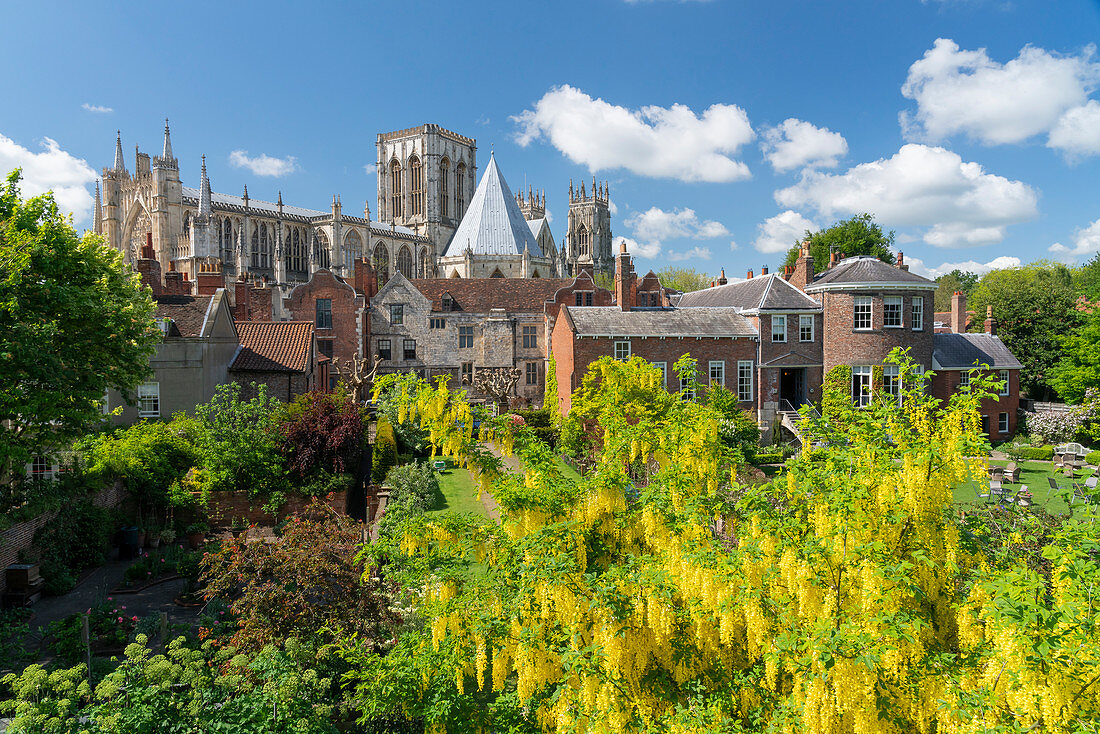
(164, 324)
(447, 302)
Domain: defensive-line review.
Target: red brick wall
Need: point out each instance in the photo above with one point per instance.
(842, 344)
(945, 383)
(284, 386)
(223, 507)
(347, 308)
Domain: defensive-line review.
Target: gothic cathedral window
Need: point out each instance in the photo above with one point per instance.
(583, 243)
(396, 191)
(460, 183)
(416, 183)
(404, 262)
(444, 171)
(381, 262)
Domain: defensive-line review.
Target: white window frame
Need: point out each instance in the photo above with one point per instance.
(1006, 378)
(622, 350)
(686, 393)
(779, 328)
(148, 394)
(859, 302)
(745, 380)
(803, 320)
(918, 313)
(40, 467)
(663, 367)
(1002, 423)
(964, 380)
(717, 372)
(863, 376)
(105, 404)
(889, 304)
(891, 381)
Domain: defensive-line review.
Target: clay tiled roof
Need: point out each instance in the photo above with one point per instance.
(188, 314)
(274, 346)
(866, 270)
(768, 292)
(668, 322)
(480, 295)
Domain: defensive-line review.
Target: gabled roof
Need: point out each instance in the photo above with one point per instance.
(493, 223)
(767, 293)
(866, 270)
(668, 322)
(792, 359)
(480, 295)
(188, 314)
(963, 351)
(274, 346)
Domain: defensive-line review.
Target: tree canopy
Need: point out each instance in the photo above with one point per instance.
(956, 280)
(683, 279)
(858, 235)
(74, 321)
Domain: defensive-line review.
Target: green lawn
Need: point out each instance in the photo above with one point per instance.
(569, 472)
(1034, 474)
(458, 493)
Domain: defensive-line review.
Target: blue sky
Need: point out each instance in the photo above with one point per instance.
(971, 127)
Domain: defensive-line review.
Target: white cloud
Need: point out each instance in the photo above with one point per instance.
(733, 245)
(263, 164)
(638, 249)
(1077, 133)
(959, 91)
(370, 168)
(695, 253)
(781, 232)
(657, 225)
(796, 144)
(53, 169)
(917, 266)
(1086, 241)
(97, 108)
(660, 142)
(958, 203)
(611, 207)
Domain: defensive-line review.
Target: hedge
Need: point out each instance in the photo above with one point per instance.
(1037, 453)
(1093, 457)
(535, 418)
(770, 458)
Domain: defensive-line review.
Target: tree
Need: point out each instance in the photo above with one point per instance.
(684, 280)
(946, 285)
(1033, 305)
(844, 596)
(859, 235)
(238, 441)
(321, 431)
(1078, 369)
(550, 391)
(1086, 279)
(74, 322)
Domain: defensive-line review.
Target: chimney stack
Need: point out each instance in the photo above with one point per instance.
(802, 274)
(722, 278)
(764, 270)
(241, 300)
(901, 261)
(990, 321)
(832, 258)
(749, 276)
(149, 267)
(958, 312)
(175, 284)
(626, 282)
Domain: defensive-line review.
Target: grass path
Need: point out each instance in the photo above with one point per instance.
(458, 493)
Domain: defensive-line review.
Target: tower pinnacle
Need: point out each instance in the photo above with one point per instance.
(120, 165)
(167, 153)
(204, 193)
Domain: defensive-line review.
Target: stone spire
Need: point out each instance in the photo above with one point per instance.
(167, 153)
(120, 165)
(204, 193)
(97, 220)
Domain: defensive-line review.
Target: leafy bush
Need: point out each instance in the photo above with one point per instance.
(238, 441)
(535, 418)
(13, 627)
(413, 487)
(72, 541)
(321, 431)
(776, 457)
(1093, 457)
(384, 456)
(836, 394)
(738, 429)
(323, 483)
(548, 435)
(109, 626)
(1037, 453)
(146, 457)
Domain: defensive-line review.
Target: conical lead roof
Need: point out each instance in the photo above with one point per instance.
(493, 223)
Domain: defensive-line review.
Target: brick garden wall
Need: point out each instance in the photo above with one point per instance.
(223, 507)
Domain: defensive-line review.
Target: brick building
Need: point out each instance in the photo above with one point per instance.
(336, 310)
(279, 354)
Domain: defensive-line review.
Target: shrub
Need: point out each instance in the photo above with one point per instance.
(323, 483)
(414, 487)
(836, 394)
(238, 441)
(384, 456)
(321, 432)
(535, 418)
(1037, 453)
(549, 436)
(775, 457)
(1093, 457)
(146, 457)
(738, 429)
(72, 541)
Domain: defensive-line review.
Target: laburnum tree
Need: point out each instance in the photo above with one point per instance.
(659, 594)
(74, 321)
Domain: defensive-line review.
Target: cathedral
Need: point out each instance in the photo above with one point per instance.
(433, 221)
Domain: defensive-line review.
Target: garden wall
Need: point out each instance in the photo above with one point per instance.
(20, 537)
(223, 507)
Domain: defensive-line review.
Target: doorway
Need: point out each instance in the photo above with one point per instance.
(792, 386)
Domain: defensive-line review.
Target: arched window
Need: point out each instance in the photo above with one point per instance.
(583, 241)
(536, 275)
(405, 262)
(265, 246)
(321, 253)
(381, 262)
(186, 222)
(422, 266)
(227, 235)
(460, 185)
(255, 259)
(444, 174)
(299, 263)
(416, 184)
(396, 191)
(353, 248)
(497, 274)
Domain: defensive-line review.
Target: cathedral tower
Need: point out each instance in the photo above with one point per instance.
(588, 239)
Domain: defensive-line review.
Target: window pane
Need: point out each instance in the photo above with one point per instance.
(664, 373)
(891, 311)
(779, 328)
(718, 373)
(744, 381)
(397, 314)
(465, 336)
(384, 349)
(806, 328)
(1006, 380)
(863, 312)
(532, 373)
(918, 313)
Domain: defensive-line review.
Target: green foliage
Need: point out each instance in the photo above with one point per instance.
(1093, 457)
(14, 625)
(542, 424)
(187, 689)
(321, 431)
(238, 442)
(683, 279)
(550, 394)
(770, 457)
(384, 456)
(859, 235)
(1078, 369)
(323, 483)
(388, 392)
(946, 285)
(1086, 279)
(1037, 453)
(414, 488)
(1034, 305)
(836, 394)
(74, 321)
(72, 541)
(28, 497)
(148, 457)
(738, 429)
(109, 626)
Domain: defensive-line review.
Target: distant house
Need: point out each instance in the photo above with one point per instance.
(200, 341)
(279, 354)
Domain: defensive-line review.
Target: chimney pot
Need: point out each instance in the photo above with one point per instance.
(764, 270)
(749, 276)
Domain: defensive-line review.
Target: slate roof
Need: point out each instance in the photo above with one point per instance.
(962, 351)
(668, 322)
(767, 292)
(493, 223)
(855, 271)
(188, 314)
(274, 346)
(479, 295)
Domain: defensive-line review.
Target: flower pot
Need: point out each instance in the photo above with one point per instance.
(141, 539)
(195, 540)
(154, 542)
